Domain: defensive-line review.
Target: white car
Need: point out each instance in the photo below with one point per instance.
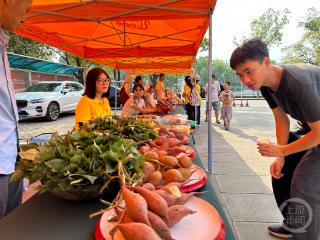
(49, 99)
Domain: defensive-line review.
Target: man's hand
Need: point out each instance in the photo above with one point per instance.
(270, 149)
(276, 167)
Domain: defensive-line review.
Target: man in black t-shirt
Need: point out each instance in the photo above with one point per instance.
(289, 90)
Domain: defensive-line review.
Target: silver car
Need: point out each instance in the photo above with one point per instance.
(49, 99)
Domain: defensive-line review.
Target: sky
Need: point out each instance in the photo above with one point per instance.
(232, 18)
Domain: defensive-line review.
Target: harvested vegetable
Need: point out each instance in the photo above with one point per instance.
(137, 231)
(173, 175)
(136, 206)
(155, 178)
(176, 213)
(185, 172)
(159, 226)
(155, 202)
(169, 161)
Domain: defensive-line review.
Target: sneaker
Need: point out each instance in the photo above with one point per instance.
(279, 231)
(218, 122)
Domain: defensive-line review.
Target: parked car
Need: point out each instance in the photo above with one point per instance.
(48, 99)
(111, 97)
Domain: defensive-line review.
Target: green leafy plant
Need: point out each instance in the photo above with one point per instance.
(129, 128)
(83, 162)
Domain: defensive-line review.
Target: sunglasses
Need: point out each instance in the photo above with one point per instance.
(102, 81)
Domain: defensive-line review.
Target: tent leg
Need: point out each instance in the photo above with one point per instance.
(210, 139)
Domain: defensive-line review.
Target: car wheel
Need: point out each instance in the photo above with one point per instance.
(53, 111)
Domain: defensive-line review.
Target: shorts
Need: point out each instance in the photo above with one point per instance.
(226, 113)
(215, 105)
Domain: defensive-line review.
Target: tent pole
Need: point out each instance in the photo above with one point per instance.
(210, 139)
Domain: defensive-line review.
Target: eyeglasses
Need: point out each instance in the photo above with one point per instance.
(102, 81)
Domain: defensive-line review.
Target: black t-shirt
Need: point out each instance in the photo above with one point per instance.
(298, 94)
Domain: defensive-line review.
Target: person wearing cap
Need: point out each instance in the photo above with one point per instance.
(11, 15)
(125, 89)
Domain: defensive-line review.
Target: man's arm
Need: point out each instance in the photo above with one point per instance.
(282, 124)
(308, 141)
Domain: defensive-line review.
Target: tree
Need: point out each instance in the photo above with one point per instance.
(307, 49)
(23, 46)
(204, 46)
(268, 27)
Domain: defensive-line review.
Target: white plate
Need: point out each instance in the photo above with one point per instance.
(205, 224)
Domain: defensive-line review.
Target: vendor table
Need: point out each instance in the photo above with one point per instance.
(46, 217)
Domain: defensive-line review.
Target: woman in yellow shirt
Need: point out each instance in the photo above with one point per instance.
(94, 102)
(186, 94)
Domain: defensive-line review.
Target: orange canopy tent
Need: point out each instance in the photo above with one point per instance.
(138, 36)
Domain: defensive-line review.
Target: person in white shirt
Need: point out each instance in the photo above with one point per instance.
(214, 98)
(11, 15)
(136, 104)
(148, 96)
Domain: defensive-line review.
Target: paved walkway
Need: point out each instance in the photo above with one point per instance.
(241, 176)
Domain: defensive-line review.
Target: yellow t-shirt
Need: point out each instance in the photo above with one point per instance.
(187, 92)
(88, 109)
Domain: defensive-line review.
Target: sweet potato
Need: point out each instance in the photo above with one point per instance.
(162, 153)
(164, 146)
(136, 206)
(170, 199)
(155, 178)
(149, 186)
(185, 172)
(152, 144)
(173, 142)
(155, 202)
(153, 155)
(159, 226)
(144, 149)
(184, 161)
(169, 160)
(185, 197)
(148, 168)
(172, 175)
(137, 231)
(174, 151)
(160, 140)
(176, 213)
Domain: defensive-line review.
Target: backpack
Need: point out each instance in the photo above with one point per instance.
(194, 99)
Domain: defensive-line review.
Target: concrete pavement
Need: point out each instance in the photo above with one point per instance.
(241, 176)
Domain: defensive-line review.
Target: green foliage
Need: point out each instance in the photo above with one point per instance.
(127, 128)
(204, 45)
(307, 49)
(81, 161)
(221, 70)
(267, 27)
(23, 46)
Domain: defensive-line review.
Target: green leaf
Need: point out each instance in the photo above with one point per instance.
(56, 164)
(76, 181)
(92, 179)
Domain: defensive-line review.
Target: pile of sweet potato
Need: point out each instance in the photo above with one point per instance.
(168, 159)
(148, 213)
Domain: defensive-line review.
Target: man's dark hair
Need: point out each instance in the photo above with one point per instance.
(161, 75)
(90, 84)
(254, 49)
(213, 76)
(227, 82)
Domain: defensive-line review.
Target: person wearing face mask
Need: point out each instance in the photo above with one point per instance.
(11, 15)
(94, 102)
